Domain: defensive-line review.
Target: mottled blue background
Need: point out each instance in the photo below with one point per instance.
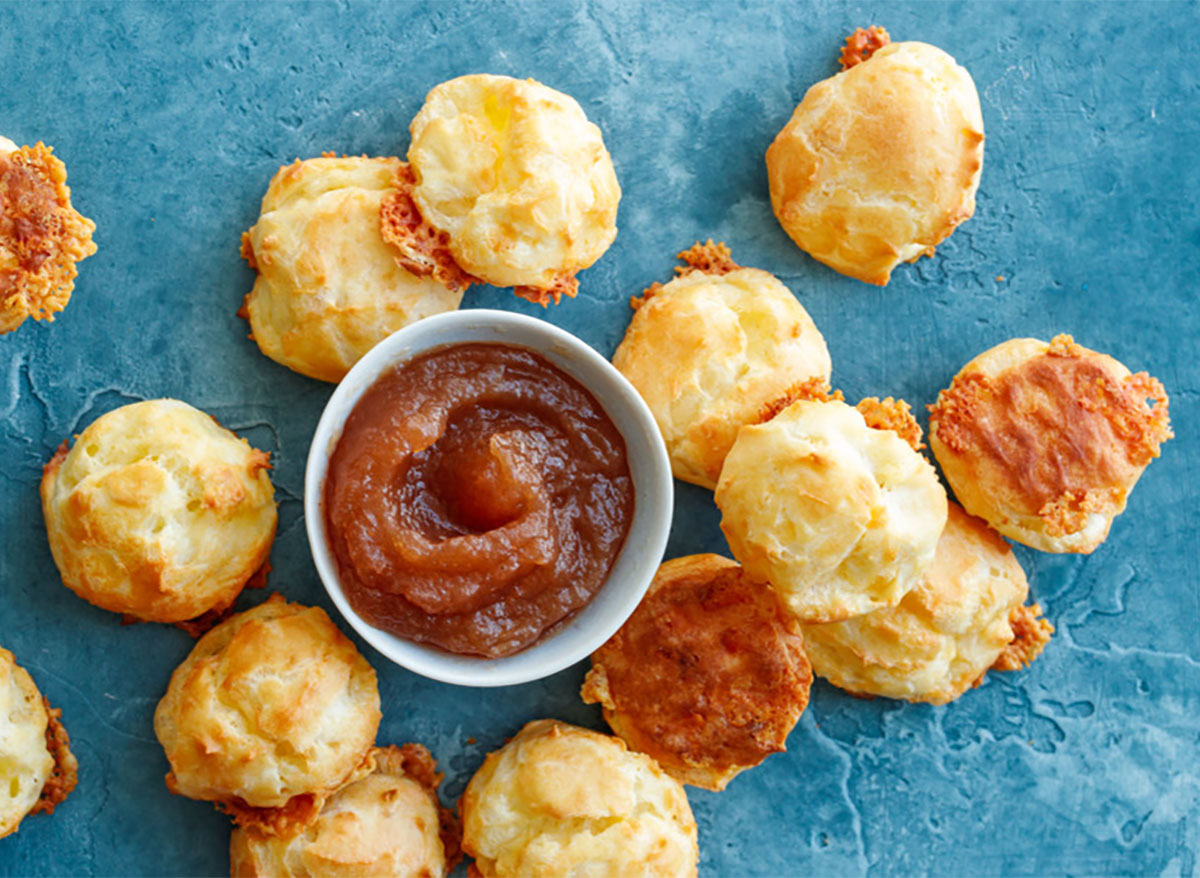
(171, 120)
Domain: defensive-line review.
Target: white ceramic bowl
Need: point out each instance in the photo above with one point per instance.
(653, 490)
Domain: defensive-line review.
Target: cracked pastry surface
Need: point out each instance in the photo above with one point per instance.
(158, 512)
(272, 711)
(965, 617)
(708, 676)
(880, 163)
(328, 286)
(840, 517)
(37, 768)
(710, 348)
(562, 800)
(42, 236)
(386, 824)
(1044, 441)
(517, 178)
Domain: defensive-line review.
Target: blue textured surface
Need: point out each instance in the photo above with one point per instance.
(171, 119)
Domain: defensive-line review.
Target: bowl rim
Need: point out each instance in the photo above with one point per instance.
(651, 522)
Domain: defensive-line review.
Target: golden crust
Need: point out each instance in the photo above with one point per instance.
(708, 676)
(945, 634)
(708, 351)
(558, 799)
(272, 709)
(158, 512)
(880, 163)
(1045, 441)
(840, 518)
(42, 236)
(386, 823)
(517, 178)
(329, 285)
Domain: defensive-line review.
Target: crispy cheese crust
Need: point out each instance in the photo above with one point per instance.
(561, 800)
(158, 512)
(839, 517)
(708, 675)
(42, 236)
(37, 768)
(1045, 441)
(329, 287)
(862, 44)
(966, 616)
(419, 247)
(386, 824)
(709, 349)
(271, 712)
(879, 163)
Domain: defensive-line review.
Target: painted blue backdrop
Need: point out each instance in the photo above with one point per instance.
(172, 118)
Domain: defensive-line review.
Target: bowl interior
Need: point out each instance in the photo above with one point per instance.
(648, 464)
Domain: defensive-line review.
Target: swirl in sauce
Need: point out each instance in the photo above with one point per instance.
(478, 497)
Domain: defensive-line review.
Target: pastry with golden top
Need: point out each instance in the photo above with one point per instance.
(42, 236)
(967, 616)
(1044, 442)
(708, 675)
(510, 184)
(842, 518)
(709, 349)
(561, 800)
(880, 163)
(158, 512)
(389, 823)
(271, 712)
(328, 287)
(37, 769)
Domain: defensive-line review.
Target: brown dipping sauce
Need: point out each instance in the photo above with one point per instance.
(478, 496)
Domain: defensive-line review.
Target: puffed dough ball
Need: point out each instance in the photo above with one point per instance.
(42, 235)
(37, 769)
(271, 705)
(708, 676)
(518, 178)
(158, 512)
(708, 351)
(561, 800)
(879, 163)
(1045, 441)
(328, 287)
(945, 634)
(839, 517)
(383, 825)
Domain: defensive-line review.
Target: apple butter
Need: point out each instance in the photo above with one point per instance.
(478, 497)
